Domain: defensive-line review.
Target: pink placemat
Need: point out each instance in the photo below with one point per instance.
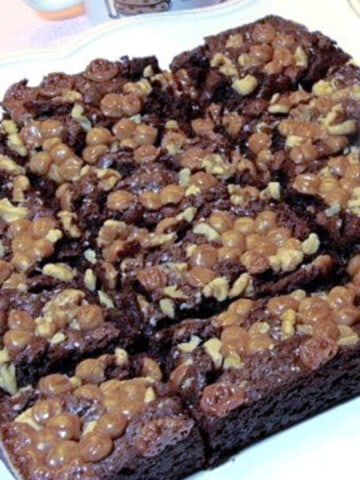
(22, 29)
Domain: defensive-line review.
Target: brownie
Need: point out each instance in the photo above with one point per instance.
(203, 223)
(114, 419)
(52, 330)
(252, 370)
(257, 60)
(324, 184)
(227, 254)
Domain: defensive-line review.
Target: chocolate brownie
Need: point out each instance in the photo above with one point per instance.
(252, 370)
(249, 64)
(176, 214)
(114, 419)
(324, 184)
(52, 329)
(230, 253)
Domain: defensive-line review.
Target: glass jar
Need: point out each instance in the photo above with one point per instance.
(102, 10)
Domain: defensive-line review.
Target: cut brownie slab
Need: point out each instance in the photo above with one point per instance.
(55, 328)
(325, 184)
(114, 419)
(263, 365)
(104, 89)
(229, 253)
(245, 66)
(133, 200)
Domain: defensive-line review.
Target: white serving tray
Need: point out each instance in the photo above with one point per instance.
(325, 447)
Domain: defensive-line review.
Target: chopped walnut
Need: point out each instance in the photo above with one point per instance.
(60, 271)
(301, 58)
(246, 85)
(224, 64)
(68, 220)
(190, 346)
(105, 299)
(204, 229)
(59, 337)
(240, 285)
(288, 320)
(167, 306)
(311, 245)
(9, 166)
(217, 288)
(7, 374)
(213, 348)
(9, 213)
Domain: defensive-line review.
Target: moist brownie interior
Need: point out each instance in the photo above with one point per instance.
(179, 260)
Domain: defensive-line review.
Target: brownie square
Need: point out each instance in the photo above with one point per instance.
(249, 64)
(54, 329)
(229, 253)
(263, 365)
(113, 419)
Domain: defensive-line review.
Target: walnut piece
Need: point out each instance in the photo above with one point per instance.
(60, 271)
(9, 213)
(217, 288)
(213, 348)
(245, 86)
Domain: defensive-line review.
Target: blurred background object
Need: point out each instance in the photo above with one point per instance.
(103, 10)
(130, 7)
(22, 29)
(57, 9)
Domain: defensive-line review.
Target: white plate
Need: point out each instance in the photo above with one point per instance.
(326, 447)
(356, 5)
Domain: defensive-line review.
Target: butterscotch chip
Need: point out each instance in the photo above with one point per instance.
(54, 385)
(200, 276)
(90, 317)
(204, 256)
(230, 396)
(152, 278)
(112, 424)
(314, 352)
(88, 392)
(151, 200)
(17, 340)
(171, 194)
(5, 271)
(46, 440)
(117, 106)
(20, 319)
(258, 142)
(43, 410)
(98, 136)
(90, 371)
(66, 426)
(120, 200)
(126, 397)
